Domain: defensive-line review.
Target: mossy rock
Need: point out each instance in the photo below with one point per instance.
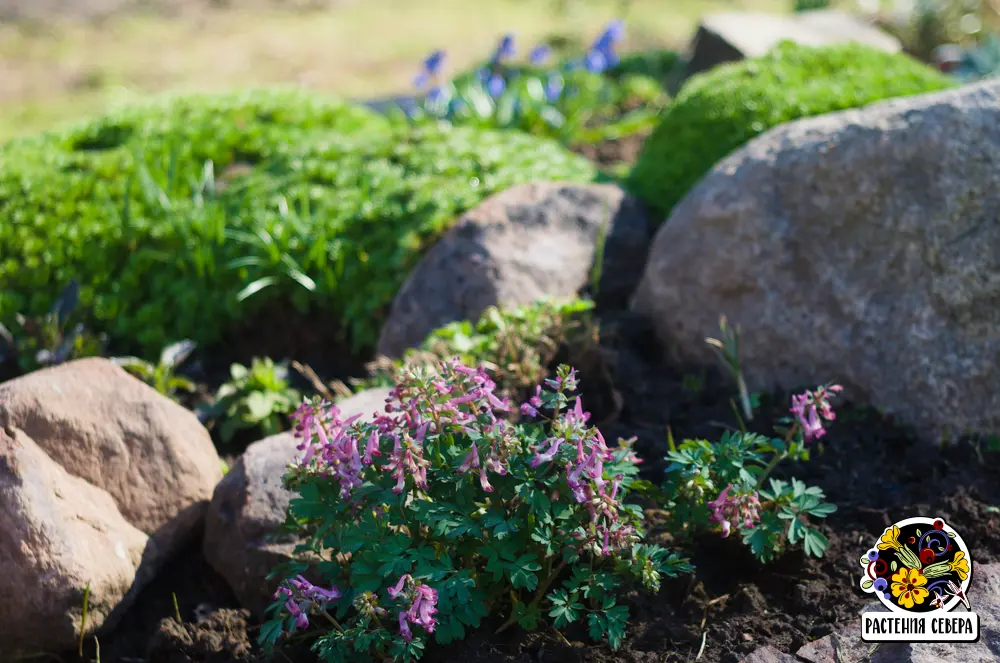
(144, 207)
(720, 110)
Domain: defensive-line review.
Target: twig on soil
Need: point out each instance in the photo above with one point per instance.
(701, 650)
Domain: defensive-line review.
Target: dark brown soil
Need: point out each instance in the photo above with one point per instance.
(867, 466)
(611, 153)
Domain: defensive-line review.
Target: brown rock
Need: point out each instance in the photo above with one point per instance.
(859, 247)
(58, 534)
(243, 542)
(528, 242)
(104, 426)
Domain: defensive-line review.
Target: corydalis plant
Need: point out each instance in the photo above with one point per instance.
(727, 483)
(441, 512)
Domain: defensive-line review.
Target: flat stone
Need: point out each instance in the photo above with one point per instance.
(58, 535)
(528, 242)
(731, 36)
(861, 247)
(243, 541)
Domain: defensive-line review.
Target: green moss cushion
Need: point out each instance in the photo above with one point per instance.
(722, 109)
(166, 212)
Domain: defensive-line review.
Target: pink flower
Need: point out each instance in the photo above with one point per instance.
(811, 408)
(546, 456)
(371, 449)
(395, 591)
(300, 596)
(404, 626)
(422, 608)
(727, 509)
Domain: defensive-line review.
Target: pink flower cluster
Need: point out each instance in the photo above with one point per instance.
(729, 508)
(301, 597)
(585, 472)
(812, 408)
(423, 605)
(420, 407)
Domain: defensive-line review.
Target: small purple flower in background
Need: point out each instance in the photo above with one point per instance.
(430, 72)
(496, 85)
(602, 53)
(505, 49)
(540, 55)
(727, 509)
(595, 61)
(553, 88)
(435, 94)
(433, 63)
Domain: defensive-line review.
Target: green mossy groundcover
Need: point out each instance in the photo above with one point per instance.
(183, 216)
(722, 109)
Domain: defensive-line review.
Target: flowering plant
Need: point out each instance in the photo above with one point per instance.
(769, 514)
(578, 100)
(441, 513)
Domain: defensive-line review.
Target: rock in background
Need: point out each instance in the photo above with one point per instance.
(731, 36)
(861, 246)
(528, 242)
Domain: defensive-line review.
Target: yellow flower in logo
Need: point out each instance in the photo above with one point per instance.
(908, 587)
(890, 539)
(960, 565)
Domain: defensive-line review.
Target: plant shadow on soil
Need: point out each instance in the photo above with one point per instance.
(870, 468)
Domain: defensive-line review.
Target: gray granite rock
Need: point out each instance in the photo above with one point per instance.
(528, 242)
(731, 36)
(860, 246)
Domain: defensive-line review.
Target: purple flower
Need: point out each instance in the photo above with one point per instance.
(596, 61)
(553, 88)
(505, 49)
(727, 509)
(540, 55)
(422, 608)
(301, 596)
(432, 65)
(435, 94)
(395, 591)
(496, 85)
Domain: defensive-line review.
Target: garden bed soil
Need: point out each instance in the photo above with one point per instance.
(870, 468)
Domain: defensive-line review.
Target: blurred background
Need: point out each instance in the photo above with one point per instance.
(65, 59)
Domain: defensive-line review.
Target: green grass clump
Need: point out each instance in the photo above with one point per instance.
(183, 217)
(721, 110)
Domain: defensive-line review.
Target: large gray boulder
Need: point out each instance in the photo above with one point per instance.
(528, 242)
(243, 538)
(861, 246)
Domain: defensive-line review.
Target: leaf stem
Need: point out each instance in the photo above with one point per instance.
(538, 595)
